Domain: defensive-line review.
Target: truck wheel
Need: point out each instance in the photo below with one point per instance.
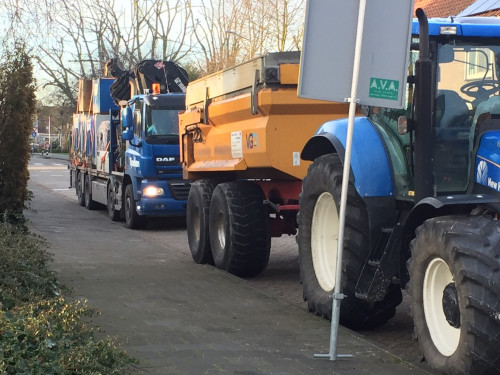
(132, 219)
(454, 287)
(239, 228)
(317, 239)
(87, 193)
(113, 214)
(79, 187)
(197, 217)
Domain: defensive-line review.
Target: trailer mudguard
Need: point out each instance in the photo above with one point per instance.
(369, 160)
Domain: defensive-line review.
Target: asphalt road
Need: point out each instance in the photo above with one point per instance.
(279, 280)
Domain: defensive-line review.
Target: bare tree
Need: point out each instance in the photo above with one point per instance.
(214, 26)
(164, 26)
(228, 32)
(70, 39)
(286, 18)
(82, 35)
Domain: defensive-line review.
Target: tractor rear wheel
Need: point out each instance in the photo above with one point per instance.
(239, 229)
(317, 239)
(197, 218)
(455, 288)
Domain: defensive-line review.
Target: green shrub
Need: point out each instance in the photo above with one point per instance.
(17, 110)
(49, 337)
(40, 331)
(24, 275)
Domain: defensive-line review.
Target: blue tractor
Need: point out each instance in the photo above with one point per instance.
(423, 202)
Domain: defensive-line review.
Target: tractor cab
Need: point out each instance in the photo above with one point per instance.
(465, 58)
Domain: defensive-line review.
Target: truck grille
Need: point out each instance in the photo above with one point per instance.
(167, 161)
(179, 189)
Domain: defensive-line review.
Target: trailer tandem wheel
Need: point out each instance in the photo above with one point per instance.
(455, 289)
(317, 240)
(197, 218)
(87, 193)
(113, 213)
(79, 187)
(239, 229)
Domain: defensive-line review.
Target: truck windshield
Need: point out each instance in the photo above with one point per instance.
(161, 122)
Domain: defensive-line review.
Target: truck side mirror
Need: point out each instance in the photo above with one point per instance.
(127, 124)
(127, 118)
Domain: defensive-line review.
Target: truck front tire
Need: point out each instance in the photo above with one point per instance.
(197, 218)
(240, 237)
(317, 240)
(132, 219)
(455, 288)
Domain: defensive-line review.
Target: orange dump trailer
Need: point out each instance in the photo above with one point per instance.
(241, 137)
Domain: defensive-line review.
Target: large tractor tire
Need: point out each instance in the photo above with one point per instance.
(89, 202)
(239, 229)
(317, 239)
(132, 219)
(80, 187)
(197, 218)
(455, 293)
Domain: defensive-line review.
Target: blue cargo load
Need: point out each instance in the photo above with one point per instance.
(101, 98)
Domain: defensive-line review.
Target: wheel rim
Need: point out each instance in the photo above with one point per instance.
(437, 278)
(221, 230)
(324, 238)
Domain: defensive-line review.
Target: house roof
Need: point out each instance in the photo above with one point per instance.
(442, 8)
(490, 13)
(482, 7)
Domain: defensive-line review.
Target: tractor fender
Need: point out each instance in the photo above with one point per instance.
(370, 164)
(431, 207)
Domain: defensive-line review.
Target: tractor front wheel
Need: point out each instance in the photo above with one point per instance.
(317, 239)
(455, 287)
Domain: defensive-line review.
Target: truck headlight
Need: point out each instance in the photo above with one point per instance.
(152, 191)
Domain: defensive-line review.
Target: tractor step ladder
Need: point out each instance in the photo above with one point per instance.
(374, 271)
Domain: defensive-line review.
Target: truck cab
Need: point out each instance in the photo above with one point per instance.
(150, 127)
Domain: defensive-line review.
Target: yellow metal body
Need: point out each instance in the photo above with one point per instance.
(233, 141)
